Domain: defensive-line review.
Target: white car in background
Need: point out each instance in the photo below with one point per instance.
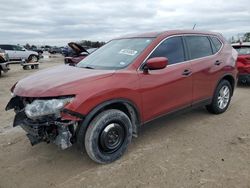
(18, 53)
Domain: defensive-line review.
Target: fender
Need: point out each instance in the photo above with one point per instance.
(131, 107)
(222, 77)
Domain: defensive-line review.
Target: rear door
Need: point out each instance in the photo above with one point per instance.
(204, 66)
(170, 88)
(20, 52)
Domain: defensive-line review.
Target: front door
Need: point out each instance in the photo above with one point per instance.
(167, 89)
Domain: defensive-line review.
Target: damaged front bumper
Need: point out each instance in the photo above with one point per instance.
(47, 128)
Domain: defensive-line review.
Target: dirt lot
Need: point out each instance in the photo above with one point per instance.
(195, 149)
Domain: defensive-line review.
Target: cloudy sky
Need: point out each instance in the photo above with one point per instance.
(57, 22)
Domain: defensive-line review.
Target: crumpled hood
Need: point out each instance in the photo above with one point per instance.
(58, 81)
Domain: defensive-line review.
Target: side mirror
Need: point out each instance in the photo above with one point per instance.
(156, 63)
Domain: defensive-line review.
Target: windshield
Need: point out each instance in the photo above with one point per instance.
(116, 54)
(242, 50)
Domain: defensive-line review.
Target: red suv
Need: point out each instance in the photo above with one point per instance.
(101, 102)
(243, 61)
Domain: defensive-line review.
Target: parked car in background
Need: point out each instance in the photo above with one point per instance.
(54, 50)
(102, 101)
(67, 51)
(79, 53)
(18, 53)
(243, 61)
(3, 61)
(45, 48)
(38, 50)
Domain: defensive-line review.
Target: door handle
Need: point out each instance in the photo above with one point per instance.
(217, 62)
(187, 72)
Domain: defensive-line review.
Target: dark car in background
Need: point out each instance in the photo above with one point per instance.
(243, 61)
(77, 53)
(55, 50)
(4, 58)
(38, 50)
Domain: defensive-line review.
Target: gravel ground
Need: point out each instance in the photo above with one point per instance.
(195, 149)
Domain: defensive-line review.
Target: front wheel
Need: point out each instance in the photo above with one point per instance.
(33, 58)
(221, 98)
(108, 136)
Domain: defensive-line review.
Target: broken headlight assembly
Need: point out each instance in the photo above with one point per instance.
(42, 107)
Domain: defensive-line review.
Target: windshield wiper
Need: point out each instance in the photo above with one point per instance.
(88, 67)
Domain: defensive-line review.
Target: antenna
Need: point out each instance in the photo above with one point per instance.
(194, 26)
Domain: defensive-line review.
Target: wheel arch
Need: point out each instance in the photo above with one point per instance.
(124, 105)
(30, 56)
(230, 78)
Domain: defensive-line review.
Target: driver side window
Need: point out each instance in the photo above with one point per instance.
(172, 49)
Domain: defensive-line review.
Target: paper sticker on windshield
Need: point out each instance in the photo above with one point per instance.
(122, 63)
(128, 52)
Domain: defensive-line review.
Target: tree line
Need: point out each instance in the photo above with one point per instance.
(243, 38)
(85, 43)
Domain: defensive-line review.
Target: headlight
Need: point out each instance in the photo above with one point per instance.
(40, 108)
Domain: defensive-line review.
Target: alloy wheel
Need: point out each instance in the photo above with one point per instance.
(224, 96)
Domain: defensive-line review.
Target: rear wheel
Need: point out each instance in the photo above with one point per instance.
(221, 98)
(108, 136)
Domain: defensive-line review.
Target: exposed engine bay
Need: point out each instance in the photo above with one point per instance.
(41, 119)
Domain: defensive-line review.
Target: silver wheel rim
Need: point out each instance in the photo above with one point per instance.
(223, 98)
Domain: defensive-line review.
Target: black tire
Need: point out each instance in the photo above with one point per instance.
(100, 146)
(33, 58)
(0, 72)
(25, 67)
(215, 107)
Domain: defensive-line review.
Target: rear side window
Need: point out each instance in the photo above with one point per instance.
(199, 46)
(172, 49)
(17, 48)
(217, 44)
(6, 47)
